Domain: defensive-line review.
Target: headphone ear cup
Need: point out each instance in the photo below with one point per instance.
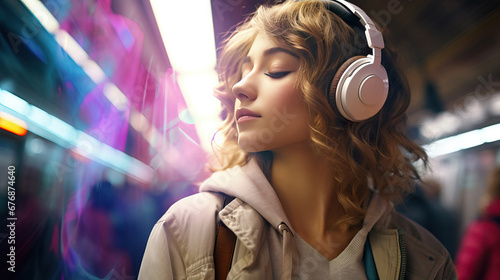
(336, 78)
(359, 89)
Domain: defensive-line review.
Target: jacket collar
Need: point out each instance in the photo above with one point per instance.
(243, 220)
(246, 223)
(249, 227)
(394, 239)
(249, 184)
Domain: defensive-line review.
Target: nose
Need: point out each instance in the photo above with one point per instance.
(245, 89)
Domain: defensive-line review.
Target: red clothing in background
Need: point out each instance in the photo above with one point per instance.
(479, 253)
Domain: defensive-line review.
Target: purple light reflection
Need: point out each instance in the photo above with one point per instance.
(105, 227)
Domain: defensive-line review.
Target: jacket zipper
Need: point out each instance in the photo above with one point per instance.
(404, 255)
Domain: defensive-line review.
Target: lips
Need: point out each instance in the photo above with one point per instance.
(243, 112)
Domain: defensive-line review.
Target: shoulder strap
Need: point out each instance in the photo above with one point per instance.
(225, 241)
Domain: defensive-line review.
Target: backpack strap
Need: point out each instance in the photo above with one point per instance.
(225, 241)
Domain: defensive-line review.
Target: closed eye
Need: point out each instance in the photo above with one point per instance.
(277, 75)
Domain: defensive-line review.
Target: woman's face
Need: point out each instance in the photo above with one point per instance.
(269, 111)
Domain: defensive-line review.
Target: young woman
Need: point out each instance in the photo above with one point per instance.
(311, 157)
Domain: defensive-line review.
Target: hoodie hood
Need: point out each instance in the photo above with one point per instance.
(249, 184)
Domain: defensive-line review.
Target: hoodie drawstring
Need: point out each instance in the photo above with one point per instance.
(289, 251)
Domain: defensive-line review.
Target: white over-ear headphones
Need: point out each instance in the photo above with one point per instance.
(360, 86)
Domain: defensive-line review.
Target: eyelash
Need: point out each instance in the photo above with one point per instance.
(277, 75)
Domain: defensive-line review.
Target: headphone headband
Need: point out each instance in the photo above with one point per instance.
(354, 16)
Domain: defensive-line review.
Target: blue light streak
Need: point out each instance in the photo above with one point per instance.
(53, 129)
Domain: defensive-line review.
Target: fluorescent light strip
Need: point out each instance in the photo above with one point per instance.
(46, 19)
(188, 35)
(50, 127)
(94, 71)
(17, 104)
(463, 141)
(190, 46)
(71, 47)
(138, 121)
(116, 96)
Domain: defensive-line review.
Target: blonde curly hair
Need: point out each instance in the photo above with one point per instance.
(376, 148)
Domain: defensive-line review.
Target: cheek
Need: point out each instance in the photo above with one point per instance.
(290, 100)
(296, 112)
(289, 118)
(286, 94)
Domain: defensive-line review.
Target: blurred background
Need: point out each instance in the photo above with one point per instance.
(106, 116)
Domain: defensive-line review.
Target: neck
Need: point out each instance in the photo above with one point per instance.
(306, 189)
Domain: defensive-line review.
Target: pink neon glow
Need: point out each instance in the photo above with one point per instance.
(92, 230)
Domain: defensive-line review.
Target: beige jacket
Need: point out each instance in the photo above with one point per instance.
(182, 242)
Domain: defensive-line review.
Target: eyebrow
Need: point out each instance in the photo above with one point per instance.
(271, 51)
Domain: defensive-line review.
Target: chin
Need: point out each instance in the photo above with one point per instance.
(251, 144)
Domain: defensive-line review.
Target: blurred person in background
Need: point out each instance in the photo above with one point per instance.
(444, 223)
(423, 206)
(96, 237)
(479, 252)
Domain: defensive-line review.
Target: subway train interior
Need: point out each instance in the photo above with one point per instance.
(107, 113)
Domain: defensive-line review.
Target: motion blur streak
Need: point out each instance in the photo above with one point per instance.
(110, 142)
(12, 124)
(59, 132)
